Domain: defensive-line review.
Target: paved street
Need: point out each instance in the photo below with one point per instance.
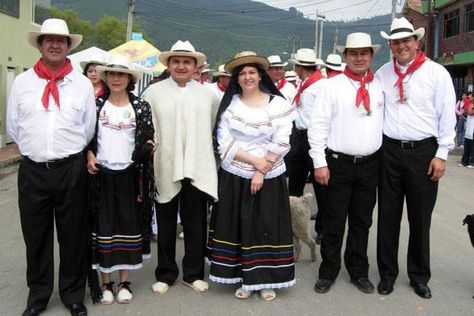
(452, 261)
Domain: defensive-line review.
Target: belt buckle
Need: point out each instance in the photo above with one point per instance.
(49, 164)
(356, 158)
(406, 144)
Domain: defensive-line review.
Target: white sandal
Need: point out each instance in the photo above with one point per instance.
(199, 286)
(107, 294)
(124, 295)
(242, 294)
(160, 288)
(268, 294)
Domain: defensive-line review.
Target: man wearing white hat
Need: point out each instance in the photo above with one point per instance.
(418, 134)
(345, 135)
(51, 116)
(298, 162)
(291, 77)
(222, 82)
(334, 65)
(275, 73)
(185, 166)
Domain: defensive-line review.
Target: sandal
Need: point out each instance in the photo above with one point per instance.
(107, 293)
(160, 288)
(240, 293)
(199, 286)
(124, 295)
(268, 294)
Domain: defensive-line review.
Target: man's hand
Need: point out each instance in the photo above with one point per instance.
(437, 168)
(321, 175)
(257, 182)
(91, 163)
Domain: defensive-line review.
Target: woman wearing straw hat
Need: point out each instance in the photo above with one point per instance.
(88, 70)
(250, 238)
(122, 192)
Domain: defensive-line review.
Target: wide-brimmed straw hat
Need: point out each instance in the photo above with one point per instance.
(401, 28)
(221, 72)
(306, 57)
(358, 40)
(183, 49)
(275, 61)
(54, 27)
(119, 63)
(291, 76)
(246, 57)
(95, 60)
(334, 62)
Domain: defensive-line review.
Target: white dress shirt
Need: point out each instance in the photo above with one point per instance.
(215, 88)
(288, 91)
(307, 98)
(55, 133)
(341, 126)
(428, 109)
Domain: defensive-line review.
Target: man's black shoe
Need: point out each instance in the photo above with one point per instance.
(78, 309)
(323, 285)
(385, 287)
(422, 290)
(32, 311)
(364, 285)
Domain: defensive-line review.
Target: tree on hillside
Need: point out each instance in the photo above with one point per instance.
(76, 26)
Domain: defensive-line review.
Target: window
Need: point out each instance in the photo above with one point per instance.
(10, 7)
(451, 23)
(470, 17)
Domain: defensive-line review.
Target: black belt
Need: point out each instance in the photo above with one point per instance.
(356, 159)
(51, 164)
(409, 144)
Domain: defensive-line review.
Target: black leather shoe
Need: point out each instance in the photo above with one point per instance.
(323, 285)
(78, 309)
(385, 287)
(364, 285)
(422, 290)
(32, 311)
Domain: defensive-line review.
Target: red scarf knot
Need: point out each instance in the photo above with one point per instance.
(51, 87)
(419, 60)
(281, 83)
(312, 79)
(362, 92)
(221, 87)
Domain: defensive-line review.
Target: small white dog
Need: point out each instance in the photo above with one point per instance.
(300, 220)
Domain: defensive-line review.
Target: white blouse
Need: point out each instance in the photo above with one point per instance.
(256, 130)
(116, 136)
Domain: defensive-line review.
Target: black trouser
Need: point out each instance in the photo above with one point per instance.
(192, 204)
(351, 194)
(46, 194)
(468, 154)
(298, 166)
(404, 175)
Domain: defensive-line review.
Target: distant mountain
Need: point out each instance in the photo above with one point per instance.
(222, 28)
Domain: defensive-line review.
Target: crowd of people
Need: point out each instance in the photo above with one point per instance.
(100, 162)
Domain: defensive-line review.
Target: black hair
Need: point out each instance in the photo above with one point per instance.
(40, 39)
(266, 85)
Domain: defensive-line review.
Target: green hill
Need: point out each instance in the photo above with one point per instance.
(222, 28)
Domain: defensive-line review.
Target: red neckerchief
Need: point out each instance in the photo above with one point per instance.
(312, 79)
(221, 87)
(44, 72)
(419, 60)
(281, 83)
(362, 92)
(467, 103)
(100, 92)
(334, 73)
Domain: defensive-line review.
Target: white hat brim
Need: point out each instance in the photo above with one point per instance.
(84, 63)
(200, 57)
(317, 62)
(76, 39)
(225, 74)
(375, 47)
(278, 65)
(419, 33)
(250, 59)
(101, 70)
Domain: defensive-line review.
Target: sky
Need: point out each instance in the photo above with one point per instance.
(337, 9)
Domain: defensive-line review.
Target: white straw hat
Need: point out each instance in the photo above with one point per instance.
(119, 63)
(334, 62)
(95, 60)
(291, 76)
(246, 57)
(183, 49)
(275, 61)
(306, 57)
(221, 72)
(401, 28)
(54, 27)
(358, 40)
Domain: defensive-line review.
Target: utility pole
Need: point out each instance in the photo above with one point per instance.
(429, 39)
(394, 15)
(316, 33)
(335, 39)
(131, 5)
(320, 46)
